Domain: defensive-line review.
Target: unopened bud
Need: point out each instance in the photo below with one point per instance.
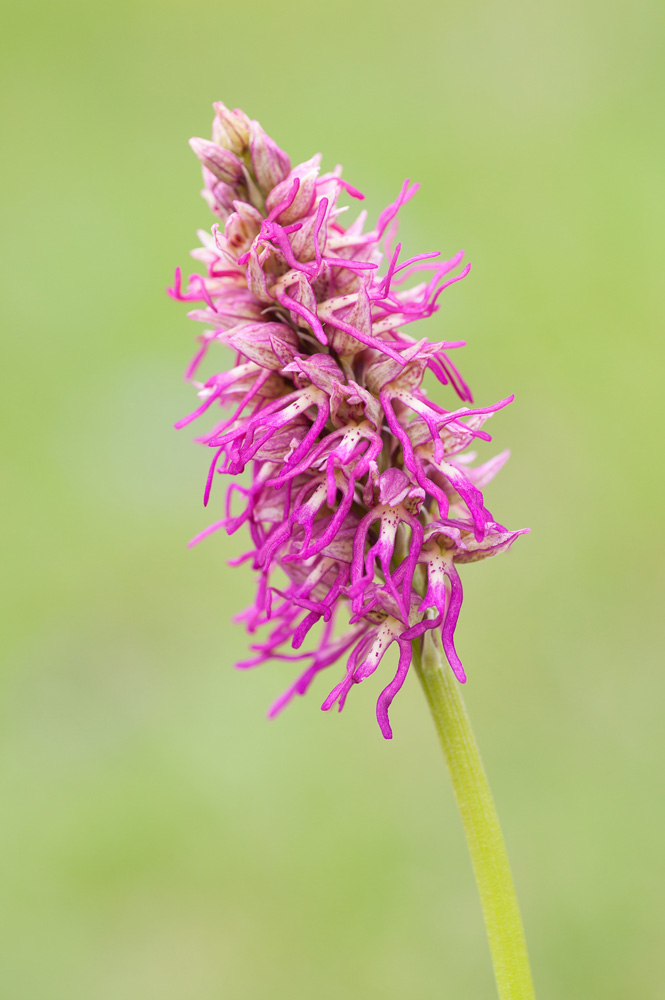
(230, 129)
(218, 195)
(271, 164)
(221, 162)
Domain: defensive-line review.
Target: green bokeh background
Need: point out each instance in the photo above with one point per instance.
(159, 838)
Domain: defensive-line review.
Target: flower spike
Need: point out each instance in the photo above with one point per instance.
(361, 502)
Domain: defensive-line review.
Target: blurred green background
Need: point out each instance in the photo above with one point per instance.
(159, 838)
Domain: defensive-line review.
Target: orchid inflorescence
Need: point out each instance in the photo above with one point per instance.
(361, 492)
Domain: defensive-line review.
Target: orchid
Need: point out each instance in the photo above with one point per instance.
(361, 493)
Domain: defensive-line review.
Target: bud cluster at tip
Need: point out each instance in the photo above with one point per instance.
(362, 499)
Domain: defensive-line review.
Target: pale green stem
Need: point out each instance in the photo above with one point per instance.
(481, 823)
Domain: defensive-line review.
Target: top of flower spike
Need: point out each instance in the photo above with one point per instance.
(360, 492)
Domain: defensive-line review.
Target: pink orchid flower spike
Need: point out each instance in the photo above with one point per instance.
(359, 497)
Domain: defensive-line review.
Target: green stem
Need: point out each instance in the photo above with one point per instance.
(481, 823)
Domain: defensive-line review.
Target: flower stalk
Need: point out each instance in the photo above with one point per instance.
(481, 823)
